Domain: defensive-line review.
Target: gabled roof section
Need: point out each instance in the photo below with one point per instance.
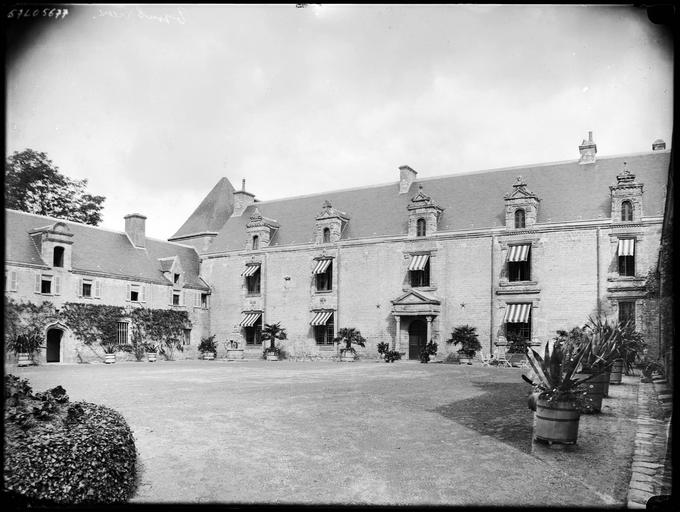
(475, 200)
(102, 251)
(415, 297)
(212, 213)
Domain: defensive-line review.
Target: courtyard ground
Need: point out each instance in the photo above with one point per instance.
(350, 433)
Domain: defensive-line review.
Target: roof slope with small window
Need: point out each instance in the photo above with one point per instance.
(212, 213)
(100, 251)
(568, 192)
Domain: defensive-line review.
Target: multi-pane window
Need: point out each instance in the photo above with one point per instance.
(253, 282)
(324, 334)
(626, 250)
(187, 337)
(627, 313)
(122, 331)
(87, 289)
(626, 211)
(58, 257)
(47, 284)
(420, 277)
(520, 218)
(326, 235)
(421, 227)
(175, 299)
(324, 275)
(519, 262)
(518, 321)
(136, 293)
(254, 333)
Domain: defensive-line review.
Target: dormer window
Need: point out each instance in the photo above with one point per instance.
(626, 211)
(175, 278)
(256, 243)
(58, 257)
(421, 229)
(326, 235)
(520, 219)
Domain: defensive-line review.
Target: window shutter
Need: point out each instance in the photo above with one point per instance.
(57, 285)
(13, 280)
(170, 297)
(38, 279)
(97, 288)
(142, 291)
(129, 292)
(183, 298)
(79, 288)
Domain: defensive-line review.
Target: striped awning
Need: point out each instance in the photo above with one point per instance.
(627, 247)
(517, 313)
(321, 266)
(321, 317)
(418, 261)
(250, 270)
(248, 319)
(518, 252)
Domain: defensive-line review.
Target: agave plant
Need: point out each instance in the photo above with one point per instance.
(554, 372)
(605, 338)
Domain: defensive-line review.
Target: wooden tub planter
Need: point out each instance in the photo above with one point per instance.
(209, 356)
(235, 353)
(152, 357)
(109, 358)
(605, 385)
(271, 356)
(347, 356)
(616, 374)
(594, 392)
(556, 422)
(24, 359)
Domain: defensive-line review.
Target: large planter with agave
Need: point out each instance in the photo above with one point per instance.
(593, 391)
(616, 373)
(556, 414)
(347, 356)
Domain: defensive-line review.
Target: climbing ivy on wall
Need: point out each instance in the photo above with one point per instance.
(26, 320)
(93, 323)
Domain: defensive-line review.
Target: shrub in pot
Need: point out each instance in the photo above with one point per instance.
(273, 332)
(23, 346)
(151, 350)
(388, 355)
(110, 348)
(465, 336)
(233, 352)
(349, 336)
(428, 352)
(208, 347)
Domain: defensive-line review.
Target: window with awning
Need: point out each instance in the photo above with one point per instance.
(626, 250)
(250, 269)
(252, 275)
(519, 262)
(419, 270)
(518, 252)
(249, 318)
(324, 326)
(322, 266)
(418, 262)
(517, 313)
(323, 272)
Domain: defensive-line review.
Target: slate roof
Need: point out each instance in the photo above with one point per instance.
(568, 191)
(213, 211)
(99, 250)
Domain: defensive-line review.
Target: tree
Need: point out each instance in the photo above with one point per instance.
(33, 184)
(350, 336)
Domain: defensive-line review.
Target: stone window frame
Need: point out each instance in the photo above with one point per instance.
(421, 227)
(627, 210)
(536, 244)
(408, 254)
(325, 331)
(520, 220)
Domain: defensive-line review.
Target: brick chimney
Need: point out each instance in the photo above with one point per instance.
(135, 227)
(588, 150)
(658, 145)
(242, 200)
(406, 177)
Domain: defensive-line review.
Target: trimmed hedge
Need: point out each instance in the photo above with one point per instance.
(65, 453)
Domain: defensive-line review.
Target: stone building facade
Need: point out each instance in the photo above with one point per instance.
(519, 251)
(60, 261)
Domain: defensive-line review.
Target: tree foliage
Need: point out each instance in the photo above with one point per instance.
(34, 184)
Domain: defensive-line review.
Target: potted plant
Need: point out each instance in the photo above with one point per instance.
(555, 400)
(233, 352)
(349, 336)
(273, 332)
(208, 347)
(428, 352)
(517, 349)
(24, 346)
(631, 346)
(466, 337)
(110, 348)
(151, 352)
(388, 355)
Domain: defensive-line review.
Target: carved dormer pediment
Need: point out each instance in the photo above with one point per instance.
(415, 302)
(330, 223)
(261, 230)
(626, 197)
(521, 206)
(425, 212)
(415, 297)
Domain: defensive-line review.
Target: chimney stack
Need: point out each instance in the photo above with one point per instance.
(135, 227)
(658, 145)
(406, 177)
(242, 200)
(588, 149)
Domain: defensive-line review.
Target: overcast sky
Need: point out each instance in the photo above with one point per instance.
(153, 105)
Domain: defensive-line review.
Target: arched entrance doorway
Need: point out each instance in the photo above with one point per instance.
(417, 338)
(53, 353)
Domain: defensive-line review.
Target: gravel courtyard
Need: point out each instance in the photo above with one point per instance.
(350, 433)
